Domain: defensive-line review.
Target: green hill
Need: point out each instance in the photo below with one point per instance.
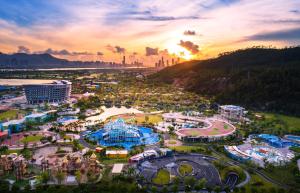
(258, 78)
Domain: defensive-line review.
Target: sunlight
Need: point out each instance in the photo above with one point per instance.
(180, 52)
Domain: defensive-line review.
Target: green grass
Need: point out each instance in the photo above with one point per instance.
(214, 132)
(293, 123)
(162, 177)
(187, 149)
(284, 174)
(224, 172)
(107, 161)
(185, 169)
(152, 119)
(258, 183)
(193, 133)
(31, 138)
(225, 126)
(295, 149)
(10, 115)
(172, 142)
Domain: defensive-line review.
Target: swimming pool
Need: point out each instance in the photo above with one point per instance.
(67, 119)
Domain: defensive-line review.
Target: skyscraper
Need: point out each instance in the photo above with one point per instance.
(124, 61)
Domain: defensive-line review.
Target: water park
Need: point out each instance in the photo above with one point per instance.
(118, 133)
(262, 149)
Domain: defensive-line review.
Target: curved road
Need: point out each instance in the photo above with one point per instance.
(83, 142)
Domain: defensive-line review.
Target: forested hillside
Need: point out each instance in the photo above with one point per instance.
(258, 78)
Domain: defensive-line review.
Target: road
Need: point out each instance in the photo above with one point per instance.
(83, 142)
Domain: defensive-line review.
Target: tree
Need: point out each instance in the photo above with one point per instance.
(146, 118)
(189, 182)
(174, 188)
(153, 189)
(164, 189)
(60, 176)
(217, 189)
(44, 177)
(176, 180)
(78, 176)
(3, 150)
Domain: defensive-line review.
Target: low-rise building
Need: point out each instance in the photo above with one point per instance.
(117, 169)
(231, 112)
(116, 153)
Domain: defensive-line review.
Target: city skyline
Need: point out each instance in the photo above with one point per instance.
(145, 31)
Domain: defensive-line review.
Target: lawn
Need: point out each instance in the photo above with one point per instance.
(258, 183)
(187, 149)
(10, 115)
(31, 138)
(185, 169)
(172, 142)
(162, 177)
(152, 119)
(293, 123)
(236, 169)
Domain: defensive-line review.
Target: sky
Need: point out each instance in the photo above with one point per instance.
(145, 30)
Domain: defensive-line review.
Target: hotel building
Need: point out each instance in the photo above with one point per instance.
(57, 91)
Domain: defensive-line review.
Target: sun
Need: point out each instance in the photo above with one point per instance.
(180, 52)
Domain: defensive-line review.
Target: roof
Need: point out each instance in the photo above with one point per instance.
(232, 107)
(116, 152)
(117, 169)
(3, 133)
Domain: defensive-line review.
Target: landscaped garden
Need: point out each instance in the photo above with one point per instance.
(31, 138)
(162, 177)
(10, 114)
(140, 118)
(185, 169)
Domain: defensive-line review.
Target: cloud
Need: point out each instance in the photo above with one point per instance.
(290, 34)
(100, 53)
(190, 46)
(23, 49)
(295, 11)
(164, 52)
(62, 52)
(116, 49)
(189, 33)
(151, 51)
(164, 18)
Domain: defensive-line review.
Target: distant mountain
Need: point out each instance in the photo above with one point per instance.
(257, 78)
(33, 61)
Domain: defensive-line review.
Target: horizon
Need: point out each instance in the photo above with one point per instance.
(145, 31)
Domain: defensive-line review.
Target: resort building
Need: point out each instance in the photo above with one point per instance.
(117, 169)
(116, 153)
(267, 149)
(58, 91)
(198, 129)
(119, 131)
(231, 112)
(150, 154)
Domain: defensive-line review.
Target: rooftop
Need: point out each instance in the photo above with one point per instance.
(117, 169)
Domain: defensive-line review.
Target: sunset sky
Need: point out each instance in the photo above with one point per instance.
(145, 30)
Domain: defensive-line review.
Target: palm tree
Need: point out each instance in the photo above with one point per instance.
(60, 176)
(78, 176)
(44, 177)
